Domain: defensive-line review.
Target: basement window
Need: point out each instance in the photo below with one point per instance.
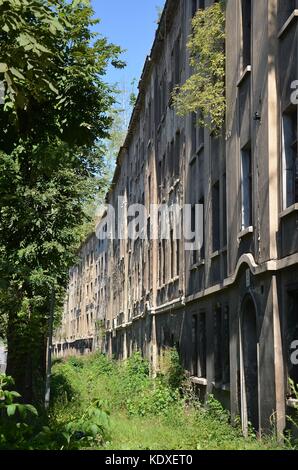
(290, 158)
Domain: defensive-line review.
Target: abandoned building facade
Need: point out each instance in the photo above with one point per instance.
(231, 307)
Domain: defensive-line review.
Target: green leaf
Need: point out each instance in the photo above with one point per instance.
(17, 73)
(32, 409)
(11, 409)
(3, 67)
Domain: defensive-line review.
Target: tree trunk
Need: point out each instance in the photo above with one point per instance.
(26, 358)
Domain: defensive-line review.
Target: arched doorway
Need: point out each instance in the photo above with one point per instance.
(249, 366)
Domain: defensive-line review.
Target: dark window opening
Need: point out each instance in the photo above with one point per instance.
(246, 32)
(226, 346)
(290, 158)
(246, 187)
(218, 339)
(215, 217)
(202, 346)
(194, 340)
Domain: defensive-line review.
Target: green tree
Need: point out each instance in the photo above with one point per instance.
(204, 91)
(56, 114)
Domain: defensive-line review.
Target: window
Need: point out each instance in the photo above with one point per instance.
(177, 155)
(202, 346)
(172, 253)
(215, 217)
(177, 257)
(246, 32)
(164, 261)
(177, 48)
(218, 363)
(285, 9)
(193, 229)
(193, 133)
(290, 159)
(197, 5)
(224, 215)
(226, 346)
(160, 264)
(246, 188)
(194, 341)
(202, 251)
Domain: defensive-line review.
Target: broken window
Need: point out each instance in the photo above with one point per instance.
(290, 158)
(246, 188)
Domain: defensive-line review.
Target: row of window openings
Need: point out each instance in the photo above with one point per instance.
(221, 343)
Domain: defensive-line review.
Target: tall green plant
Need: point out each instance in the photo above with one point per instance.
(204, 92)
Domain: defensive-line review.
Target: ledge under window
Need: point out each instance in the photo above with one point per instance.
(215, 254)
(197, 265)
(287, 24)
(245, 232)
(199, 380)
(244, 74)
(288, 211)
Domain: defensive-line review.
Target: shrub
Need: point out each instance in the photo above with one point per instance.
(16, 425)
(170, 368)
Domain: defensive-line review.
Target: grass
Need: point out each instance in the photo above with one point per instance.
(143, 413)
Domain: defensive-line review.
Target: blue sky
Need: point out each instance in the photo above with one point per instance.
(130, 24)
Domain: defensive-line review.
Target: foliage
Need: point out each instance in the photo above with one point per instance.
(91, 428)
(14, 416)
(204, 92)
(145, 413)
(171, 369)
(54, 121)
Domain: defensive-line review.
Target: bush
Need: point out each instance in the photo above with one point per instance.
(17, 419)
(170, 368)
